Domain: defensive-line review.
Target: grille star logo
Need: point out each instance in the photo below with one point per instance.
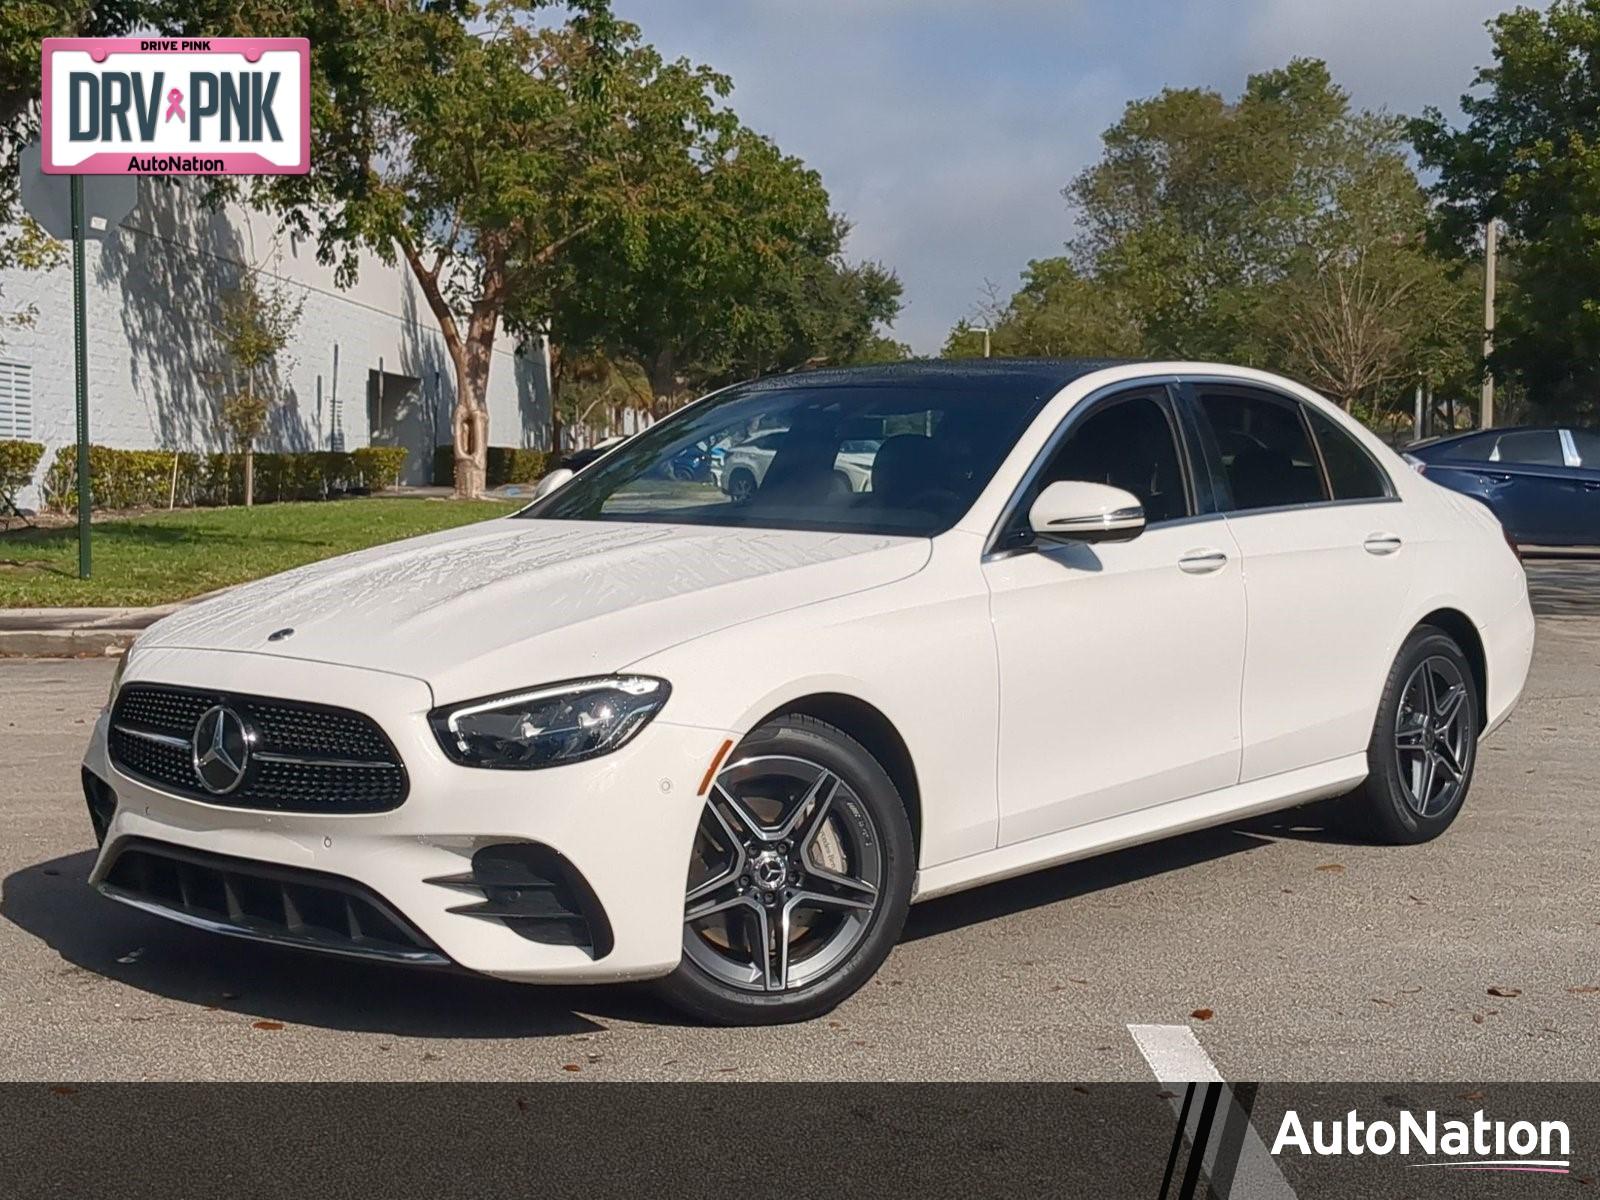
(221, 749)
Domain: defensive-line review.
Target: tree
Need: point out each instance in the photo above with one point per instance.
(254, 323)
(476, 147)
(1058, 312)
(1529, 154)
(1283, 230)
(737, 271)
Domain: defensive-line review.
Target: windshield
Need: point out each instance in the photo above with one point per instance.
(883, 458)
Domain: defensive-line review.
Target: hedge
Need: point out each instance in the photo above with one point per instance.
(144, 478)
(17, 462)
(507, 464)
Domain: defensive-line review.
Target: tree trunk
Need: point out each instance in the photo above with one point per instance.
(470, 355)
(249, 474)
(556, 372)
(663, 374)
(471, 417)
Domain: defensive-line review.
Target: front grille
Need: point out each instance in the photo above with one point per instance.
(301, 757)
(536, 893)
(264, 901)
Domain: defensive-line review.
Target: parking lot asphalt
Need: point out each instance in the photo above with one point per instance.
(1290, 952)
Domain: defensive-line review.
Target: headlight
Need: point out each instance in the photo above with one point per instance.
(549, 726)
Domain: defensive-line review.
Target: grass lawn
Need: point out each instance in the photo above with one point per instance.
(170, 555)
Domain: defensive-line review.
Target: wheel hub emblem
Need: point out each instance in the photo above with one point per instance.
(221, 749)
(769, 870)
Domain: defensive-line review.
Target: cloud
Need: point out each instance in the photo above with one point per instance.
(945, 129)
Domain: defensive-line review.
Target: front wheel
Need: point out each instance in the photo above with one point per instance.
(1424, 743)
(799, 881)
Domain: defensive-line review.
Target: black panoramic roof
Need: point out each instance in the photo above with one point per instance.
(1014, 376)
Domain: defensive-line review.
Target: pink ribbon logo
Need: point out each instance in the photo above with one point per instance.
(175, 105)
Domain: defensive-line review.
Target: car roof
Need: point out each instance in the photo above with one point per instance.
(1019, 377)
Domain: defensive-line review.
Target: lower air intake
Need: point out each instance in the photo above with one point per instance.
(269, 903)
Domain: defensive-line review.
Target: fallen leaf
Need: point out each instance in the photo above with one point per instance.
(1471, 1097)
(1507, 992)
(1477, 1018)
(1078, 1087)
(51, 871)
(571, 1067)
(269, 1026)
(1202, 1014)
(1583, 990)
(522, 1105)
(1332, 868)
(1382, 1001)
(63, 1090)
(1163, 1094)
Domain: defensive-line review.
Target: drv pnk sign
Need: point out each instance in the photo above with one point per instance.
(177, 106)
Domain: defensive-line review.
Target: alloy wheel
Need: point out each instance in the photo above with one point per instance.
(787, 873)
(1433, 736)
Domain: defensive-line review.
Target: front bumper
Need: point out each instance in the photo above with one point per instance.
(623, 824)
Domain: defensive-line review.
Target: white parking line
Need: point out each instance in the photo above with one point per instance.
(1175, 1055)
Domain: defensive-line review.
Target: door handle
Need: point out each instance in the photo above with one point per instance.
(1592, 487)
(1202, 562)
(1493, 477)
(1381, 543)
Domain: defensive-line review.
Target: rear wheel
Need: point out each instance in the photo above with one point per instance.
(799, 881)
(1424, 744)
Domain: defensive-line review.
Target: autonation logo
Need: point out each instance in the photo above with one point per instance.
(1476, 1145)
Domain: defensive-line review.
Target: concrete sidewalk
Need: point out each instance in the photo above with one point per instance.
(75, 632)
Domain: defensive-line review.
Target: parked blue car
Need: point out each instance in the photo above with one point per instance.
(1543, 483)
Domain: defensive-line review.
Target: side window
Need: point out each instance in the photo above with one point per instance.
(1352, 473)
(1587, 443)
(1531, 447)
(1476, 448)
(1266, 452)
(1129, 443)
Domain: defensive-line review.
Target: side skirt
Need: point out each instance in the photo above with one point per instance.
(1251, 799)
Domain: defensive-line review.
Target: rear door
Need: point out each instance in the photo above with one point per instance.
(1524, 478)
(1582, 447)
(1322, 539)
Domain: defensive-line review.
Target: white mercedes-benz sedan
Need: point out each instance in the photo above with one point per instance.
(640, 731)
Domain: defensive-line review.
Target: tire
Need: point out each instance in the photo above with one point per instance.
(1387, 807)
(741, 486)
(830, 863)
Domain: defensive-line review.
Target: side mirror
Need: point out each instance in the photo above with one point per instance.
(1076, 511)
(551, 482)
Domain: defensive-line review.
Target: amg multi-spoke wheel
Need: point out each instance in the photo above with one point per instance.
(1433, 736)
(1424, 743)
(799, 878)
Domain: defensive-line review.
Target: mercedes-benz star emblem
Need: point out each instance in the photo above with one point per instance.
(221, 750)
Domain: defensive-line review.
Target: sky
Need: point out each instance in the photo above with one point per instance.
(946, 129)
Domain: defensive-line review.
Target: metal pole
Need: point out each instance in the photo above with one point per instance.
(80, 352)
(1491, 239)
(1417, 419)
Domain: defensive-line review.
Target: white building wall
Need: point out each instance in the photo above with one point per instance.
(156, 370)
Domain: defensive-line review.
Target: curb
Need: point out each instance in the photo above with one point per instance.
(65, 643)
(80, 632)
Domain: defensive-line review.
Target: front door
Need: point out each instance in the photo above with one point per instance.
(1120, 663)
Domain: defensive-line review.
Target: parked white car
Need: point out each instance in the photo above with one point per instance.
(744, 467)
(726, 745)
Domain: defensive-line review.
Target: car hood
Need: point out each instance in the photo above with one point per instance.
(512, 602)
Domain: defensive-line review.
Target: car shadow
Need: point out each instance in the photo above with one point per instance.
(1085, 876)
(51, 901)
